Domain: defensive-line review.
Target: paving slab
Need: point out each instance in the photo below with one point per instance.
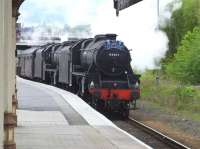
(52, 118)
(73, 137)
(40, 118)
(37, 97)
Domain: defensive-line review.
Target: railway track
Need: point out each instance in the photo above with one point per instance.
(163, 138)
(148, 135)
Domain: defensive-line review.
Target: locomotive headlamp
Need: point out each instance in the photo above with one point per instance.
(92, 84)
(136, 84)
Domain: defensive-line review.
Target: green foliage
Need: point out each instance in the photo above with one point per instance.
(185, 95)
(181, 64)
(182, 21)
(174, 91)
(186, 62)
(170, 95)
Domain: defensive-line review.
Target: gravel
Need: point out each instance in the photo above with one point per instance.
(141, 135)
(181, 129)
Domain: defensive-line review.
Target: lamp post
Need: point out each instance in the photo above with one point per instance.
(158, 14)
(158, 8)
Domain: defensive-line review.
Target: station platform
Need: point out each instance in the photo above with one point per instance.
(52, 118)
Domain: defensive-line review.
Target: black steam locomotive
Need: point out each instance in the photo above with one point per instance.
(97, 69)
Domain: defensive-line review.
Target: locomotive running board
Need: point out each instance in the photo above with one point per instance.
(79, 74)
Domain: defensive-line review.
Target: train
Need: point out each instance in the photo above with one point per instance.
(97, 69)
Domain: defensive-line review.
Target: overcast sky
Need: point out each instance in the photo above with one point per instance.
(136, 26)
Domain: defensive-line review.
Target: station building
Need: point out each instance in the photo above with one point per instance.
(8, 92)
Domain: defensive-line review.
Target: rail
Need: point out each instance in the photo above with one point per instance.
(165, 139)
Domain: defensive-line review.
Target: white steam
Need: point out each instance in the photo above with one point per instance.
(48, 33)
(136, 26)
(167, 7)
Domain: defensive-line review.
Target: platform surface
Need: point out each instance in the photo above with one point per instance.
(52, 118)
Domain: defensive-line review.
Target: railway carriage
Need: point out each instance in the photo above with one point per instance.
(26, 62)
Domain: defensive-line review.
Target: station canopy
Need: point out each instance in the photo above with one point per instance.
(123, 4)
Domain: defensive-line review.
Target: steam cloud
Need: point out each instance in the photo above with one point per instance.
(136, 26)
(48, 33)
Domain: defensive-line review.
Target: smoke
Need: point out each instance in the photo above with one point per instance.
(79, 31)
(166, 10)
(41, 34)
(50, 18)
(137, 26)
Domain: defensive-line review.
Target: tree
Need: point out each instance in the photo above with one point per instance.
(186, 62)
(182, 21)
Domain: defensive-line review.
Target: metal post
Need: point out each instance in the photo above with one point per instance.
(158, 8)
(158, 12)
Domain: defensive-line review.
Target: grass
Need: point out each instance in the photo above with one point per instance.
(181, 99)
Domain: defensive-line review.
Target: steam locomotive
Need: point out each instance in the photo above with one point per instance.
(97, 69)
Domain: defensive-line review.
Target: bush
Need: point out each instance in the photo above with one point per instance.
(170, 95)
(182, 21)
(186, 62)
(184, 97)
